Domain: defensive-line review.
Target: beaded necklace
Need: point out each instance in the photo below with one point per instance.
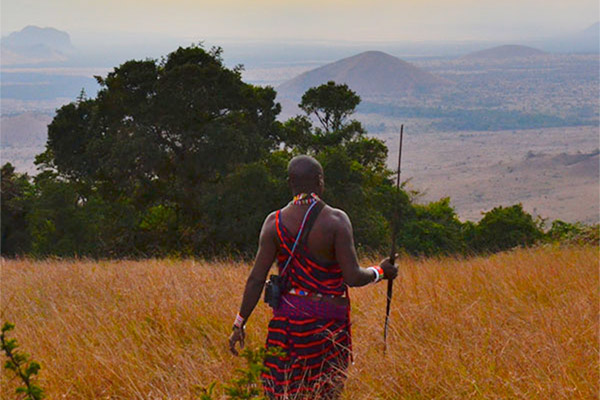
(302, 199)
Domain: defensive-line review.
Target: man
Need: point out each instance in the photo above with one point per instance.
(317, 263)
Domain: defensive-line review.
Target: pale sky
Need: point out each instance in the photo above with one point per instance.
(329, 20)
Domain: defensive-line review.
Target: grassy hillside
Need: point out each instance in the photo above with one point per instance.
(518, 325)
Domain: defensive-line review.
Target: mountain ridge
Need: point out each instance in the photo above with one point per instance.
(505, 51)
(35, 45)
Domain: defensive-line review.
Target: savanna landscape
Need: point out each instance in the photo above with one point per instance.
(138, 168)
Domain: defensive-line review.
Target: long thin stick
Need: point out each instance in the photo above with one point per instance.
(390, 285)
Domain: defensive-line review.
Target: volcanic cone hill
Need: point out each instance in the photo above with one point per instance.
(506, 51)
(370, 74)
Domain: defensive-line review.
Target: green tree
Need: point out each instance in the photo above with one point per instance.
(503, 228)
(72, 135)
(157, 139)
(357, 178)
(331, 104)
(356, 189)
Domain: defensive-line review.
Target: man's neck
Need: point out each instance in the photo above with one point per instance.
(296, 192)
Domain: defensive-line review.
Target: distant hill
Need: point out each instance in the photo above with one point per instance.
(593, 31)
(34, 45)
(34, 36)
(372, 73)
(506, 51)
(586, 41)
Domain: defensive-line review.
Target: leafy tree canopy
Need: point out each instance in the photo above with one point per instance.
(331, 104)
(160, 136)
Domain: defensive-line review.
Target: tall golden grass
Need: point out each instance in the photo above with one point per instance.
(517, 325)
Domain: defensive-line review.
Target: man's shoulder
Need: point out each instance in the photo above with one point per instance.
(336, 215)
(269, 230)
(270, 219)
(271, 216)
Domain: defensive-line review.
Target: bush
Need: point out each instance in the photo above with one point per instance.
(503, 228)
(434, 230)
(576, 233)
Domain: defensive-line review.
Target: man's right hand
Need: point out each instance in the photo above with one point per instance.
(390, 271)
(237, 335)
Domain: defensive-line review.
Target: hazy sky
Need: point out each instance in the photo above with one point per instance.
(351, 20)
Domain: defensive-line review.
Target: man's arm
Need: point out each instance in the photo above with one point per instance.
(267, 250)
(345, 254)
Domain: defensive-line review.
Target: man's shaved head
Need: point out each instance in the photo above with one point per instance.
(305, 175)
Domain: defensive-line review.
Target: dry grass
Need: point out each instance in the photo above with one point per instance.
(518, 325)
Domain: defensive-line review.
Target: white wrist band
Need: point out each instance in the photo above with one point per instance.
(378, 275)
(239, 321)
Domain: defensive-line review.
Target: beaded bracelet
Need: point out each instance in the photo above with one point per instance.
(378, 273)
(239, 321)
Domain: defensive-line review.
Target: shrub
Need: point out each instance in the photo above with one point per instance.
(18, 362)
(434, 230)
(503, 228)
(577, 233)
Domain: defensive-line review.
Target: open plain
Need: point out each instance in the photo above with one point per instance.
(553, 172)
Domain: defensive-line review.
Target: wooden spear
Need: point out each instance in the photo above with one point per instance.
(390, 284)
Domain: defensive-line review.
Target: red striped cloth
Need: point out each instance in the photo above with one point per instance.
(314, 335)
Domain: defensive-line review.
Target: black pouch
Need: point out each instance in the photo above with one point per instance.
(273, 291)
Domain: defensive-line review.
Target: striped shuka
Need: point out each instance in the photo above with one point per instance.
(314, 336)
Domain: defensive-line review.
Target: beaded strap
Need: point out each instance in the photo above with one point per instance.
(304, 198)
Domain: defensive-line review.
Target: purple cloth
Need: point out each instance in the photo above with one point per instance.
(293, 306)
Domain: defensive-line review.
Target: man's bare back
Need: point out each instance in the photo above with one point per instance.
(321, 240)
(331, 239)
